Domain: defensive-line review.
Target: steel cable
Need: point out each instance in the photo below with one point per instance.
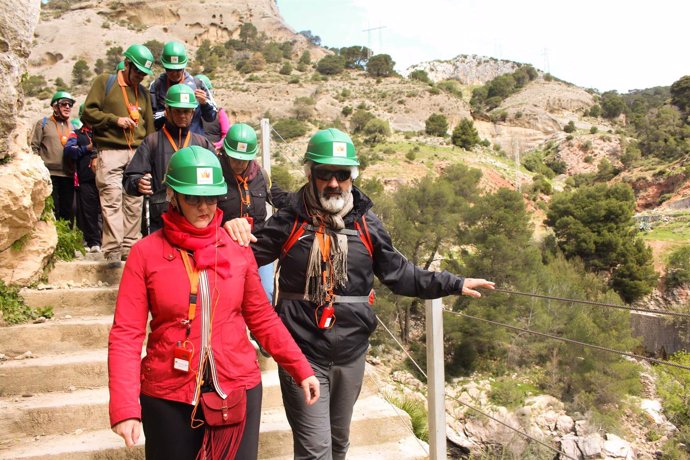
(571, 341)
(599, 304)
(521, 433)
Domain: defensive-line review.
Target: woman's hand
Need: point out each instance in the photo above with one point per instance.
(240, 230)
(470, 284)
(312, 390)
(130, 430)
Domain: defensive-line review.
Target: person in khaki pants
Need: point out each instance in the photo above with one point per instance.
(118, 108)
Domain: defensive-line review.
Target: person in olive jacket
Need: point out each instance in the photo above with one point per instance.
(330, 246)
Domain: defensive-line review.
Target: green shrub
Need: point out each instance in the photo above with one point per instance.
(331, 65)
(678, 268)
(35, 86)
(508, 393)
(80, 72)
(570, 127)
(70, 240)
(450, 86)
(289, 128)
(673, 387)
(359, 119)
(286, 69)
(418, 415)
(465, 135)
(346, 111)
(593, 130)
(376, 131)
(419, 75)
(436, 125)
(380, 65)
(13, 308)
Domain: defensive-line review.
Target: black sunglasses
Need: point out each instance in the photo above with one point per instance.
(66, 104)
(195, 200)
(328, 174)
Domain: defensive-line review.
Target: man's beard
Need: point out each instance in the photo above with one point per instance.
(333, 203)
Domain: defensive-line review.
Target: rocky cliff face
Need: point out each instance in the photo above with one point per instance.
(25, 241)
(467, 69)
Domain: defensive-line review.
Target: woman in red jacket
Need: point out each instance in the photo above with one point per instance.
(198, 389)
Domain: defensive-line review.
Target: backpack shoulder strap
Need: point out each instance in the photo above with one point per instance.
(109, 83)
(365, 236)
(43, 124)
(295, 234)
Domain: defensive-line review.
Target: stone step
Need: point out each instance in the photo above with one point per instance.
(85, 409)
(74, 302)
(88, 272)
(56, 336)
(49, 373)
(379, 431)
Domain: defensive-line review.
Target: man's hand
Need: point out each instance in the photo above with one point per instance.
(470, 284)
(312, 390)
(144, 185)
(130, 430)
(200, 96)
(240, 230)
(126, 122)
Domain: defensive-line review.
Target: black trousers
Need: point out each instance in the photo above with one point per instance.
(89, 218)
(169, 435)
(63, 197)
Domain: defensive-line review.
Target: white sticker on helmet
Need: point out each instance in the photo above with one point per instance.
(184, 98)
(241, 146)
(148, 64)
(204, 176)
(339, 149)
(174, 59)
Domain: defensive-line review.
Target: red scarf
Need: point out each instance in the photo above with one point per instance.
(207, 243)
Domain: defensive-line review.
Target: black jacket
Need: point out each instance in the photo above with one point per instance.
(355, 322)
(204, 112)
(260, 194)
(152, 156)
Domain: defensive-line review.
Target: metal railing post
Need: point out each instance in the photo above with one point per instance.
(436, 395)
(266, 153)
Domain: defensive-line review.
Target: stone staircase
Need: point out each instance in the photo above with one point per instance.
(54, 404)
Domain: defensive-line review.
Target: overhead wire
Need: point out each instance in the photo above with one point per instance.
(598, 304)
(571, 341)
(521, 433)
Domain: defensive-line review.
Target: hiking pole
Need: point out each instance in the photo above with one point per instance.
(147, 214)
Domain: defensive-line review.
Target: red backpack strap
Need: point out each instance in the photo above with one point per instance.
(295, 234)
(364, 235)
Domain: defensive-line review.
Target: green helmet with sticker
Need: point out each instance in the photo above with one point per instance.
(205, 80)
(240, 142)
(331, 147)
(76, 123)
(141, 57)
(81, 109)
(195, 170)
(174, 56)
(61, 95)
(120, 66)
(181, 96)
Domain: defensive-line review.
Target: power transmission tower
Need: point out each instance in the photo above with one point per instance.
(368, 31)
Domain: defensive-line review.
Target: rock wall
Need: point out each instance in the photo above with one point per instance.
(661, 335)
(469, 70)
(17, 23)
(26, 242)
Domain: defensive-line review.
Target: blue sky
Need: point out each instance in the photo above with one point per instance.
(604, 44)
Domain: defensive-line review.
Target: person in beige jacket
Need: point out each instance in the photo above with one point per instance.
(48, 140)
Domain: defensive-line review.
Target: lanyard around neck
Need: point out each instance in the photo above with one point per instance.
(245, 197)
(172, 141)
(193, 275)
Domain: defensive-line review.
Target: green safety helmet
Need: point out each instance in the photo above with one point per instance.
(174, 56)
(141, 57)
(81, 109)
(331, 147)
(76, 123)
(240, 142)
(205, 80)
(195, 170)
(120, 66)
(61, 95)
(181, 96)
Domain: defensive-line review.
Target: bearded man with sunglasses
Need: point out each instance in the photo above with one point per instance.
(330, 245)
(48, 141)
(118, 108)
(145, 173)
